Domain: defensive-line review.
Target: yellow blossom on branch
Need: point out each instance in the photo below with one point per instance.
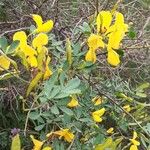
(42, 27)
(103, 21)
(39, 41)
(97, 115)
(110, 130)
(134, 142)
(113, 58)
(37, 144)
(94, 42)
(73, 102)
(4, 63)
(97, 100)
(127, 108)
(63, 133)
(28, 51)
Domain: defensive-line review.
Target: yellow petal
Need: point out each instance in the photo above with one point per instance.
(38, 19)
(127, 108)
(90, 56)
(22, 37)
(99, 112)
(48, 72)
(4, 63)
(103, 21)
(95, 41)
(133, 147)
(113, 58)
(97, 100)
(73, 102)
(97, 115)
(135, 142)
(32, 60)
(46, 27)
(119, 22)
(29, 51)
(134, 135)
(114, 40)
(119, 18)
(40, 40)
(47, 148)
(37, 144)
(97, 118)
(68, 136)
(110, 130)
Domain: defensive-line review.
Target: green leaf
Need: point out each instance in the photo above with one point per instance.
(40, 127)
(12, 47)
(54, 92)
(131, 33)
(85, 28)
(66, 110)
(55, 110)
(72, 84)
(140, 94)
(143, 86)
(61, 95)
(16, 144)
(3, 43)
(120, 52)
(34, 115)
(73, 91)
(32, 28)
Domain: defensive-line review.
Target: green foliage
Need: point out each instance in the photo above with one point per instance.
(38, 107)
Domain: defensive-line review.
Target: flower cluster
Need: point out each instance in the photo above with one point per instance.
(108, 31)
(63, 133)
(36, 54)
(134, 142)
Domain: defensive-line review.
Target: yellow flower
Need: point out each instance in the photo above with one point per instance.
(127, 108)
(91, 56)
(73, 102)
(48, 72)
(119, 22)
(113, 58)
(95, 42)
(116, 32)
(32, 61)
(42, 27)
(37, 144)
(98, 114)
(110, 130)
(97, 100)
(29, 52)
(68, 136)
(21, 37)
(40, 40)
(4, 63)
(47, 148)
(133, 147)
(134, 142)
(103, 21)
